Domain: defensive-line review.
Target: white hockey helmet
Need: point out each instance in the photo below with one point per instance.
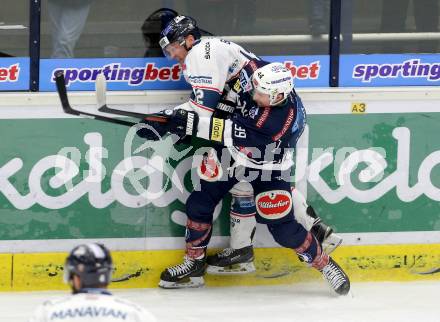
(273, 79)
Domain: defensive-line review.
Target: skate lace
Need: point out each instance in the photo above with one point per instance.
(226, 252)
(333, 275)
(183, 268)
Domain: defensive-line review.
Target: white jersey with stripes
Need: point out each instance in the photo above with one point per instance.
(92, 305)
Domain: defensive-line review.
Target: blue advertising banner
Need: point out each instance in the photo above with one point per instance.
(14, 74)
(160, 73)
(389, 70)
(122, 74)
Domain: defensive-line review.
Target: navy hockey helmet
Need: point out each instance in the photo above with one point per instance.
(177, 30)
(92, 263)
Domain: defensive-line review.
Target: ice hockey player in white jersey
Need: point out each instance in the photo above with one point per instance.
(210, 66)
(88, 271)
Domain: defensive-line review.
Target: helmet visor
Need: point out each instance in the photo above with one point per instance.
(169, 49)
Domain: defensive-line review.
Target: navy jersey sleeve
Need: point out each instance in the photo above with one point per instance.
(269, 125)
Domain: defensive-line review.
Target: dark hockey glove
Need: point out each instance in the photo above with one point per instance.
(154, 127)
(183, 123)
(224, 109)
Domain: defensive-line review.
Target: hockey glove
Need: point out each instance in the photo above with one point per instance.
(154, 127)
(180, 122)
(224, 109)
(183, 123)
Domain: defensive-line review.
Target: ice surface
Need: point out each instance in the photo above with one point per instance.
(409, 301)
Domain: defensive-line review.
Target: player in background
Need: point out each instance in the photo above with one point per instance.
(151, 29)
(257, 146)
(211, 66)
(88, 271)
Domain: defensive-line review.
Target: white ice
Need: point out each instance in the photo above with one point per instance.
(372, 302)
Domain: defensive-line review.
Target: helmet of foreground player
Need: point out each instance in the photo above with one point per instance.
(273, 79)
(91, 262)
(177, 30)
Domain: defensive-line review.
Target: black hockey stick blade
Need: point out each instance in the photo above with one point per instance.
(101, 89)
(127, 277)
(429, 272)
(62, 93)
(67, 108)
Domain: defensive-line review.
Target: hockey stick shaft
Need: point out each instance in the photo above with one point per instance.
(106, 109)
(67, 108)
(101, 89)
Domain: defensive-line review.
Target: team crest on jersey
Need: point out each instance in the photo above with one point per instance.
(253, 112)
(232, 69)
(210, 168)
(274, 204)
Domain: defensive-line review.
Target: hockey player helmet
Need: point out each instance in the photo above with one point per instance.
(273, 79)
(92, 263)
(177, 30)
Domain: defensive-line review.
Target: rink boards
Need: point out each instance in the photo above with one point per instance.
(141, 269)
(367, 162)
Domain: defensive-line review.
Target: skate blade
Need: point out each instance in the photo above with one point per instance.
(331, 243)
(236, 269)
(189, 282)
(346, 291)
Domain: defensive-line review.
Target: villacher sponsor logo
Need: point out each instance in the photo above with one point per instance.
(10, 74)
(274, 204)
(412, 68)
(116, 73)
(270, 205)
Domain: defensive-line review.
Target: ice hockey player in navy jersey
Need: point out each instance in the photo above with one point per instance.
(259, 141)
(212, 66)
(88, 271)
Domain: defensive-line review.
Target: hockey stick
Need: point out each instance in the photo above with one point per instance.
(67, 108)
(127, 277)
(101, 89)
(429, 272)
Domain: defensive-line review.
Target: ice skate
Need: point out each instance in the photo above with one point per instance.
(232, 261)
(336, 277)
(186, 275)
